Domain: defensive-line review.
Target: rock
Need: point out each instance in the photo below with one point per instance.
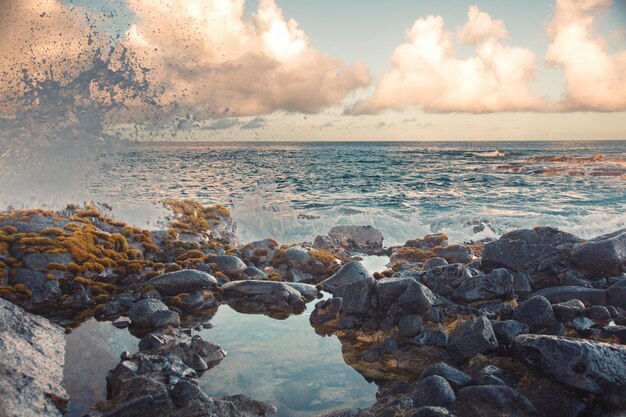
(296, 257)
(616, 294)
(591, 367)
(39, 261)
(582, 323)
(263, 297)
(430, 412)
(492, 401)
(443, 280)
(599, 313)
(163, 318)
(357, 296)
(429, 242)
(185, 391)
(535, 312)
(31, 368)
(492, 375)
(403, 295)
(434, 262)
(259, 252)
(551, 400)
(603, 256)
(507, 330)
(325, 311)
(521, 284)
(295, 275)
(455, 254)
(433, 391)
(568, 310)
(472, 337)
(43, 290)
(541, 253)
(498, 285)
(589, 296)
(350, 272)
(142, 312)
(252, 272)
(230, 265)
(410, 325)
(360, 238)
(183, 281)
(456, 378)
(308, 291)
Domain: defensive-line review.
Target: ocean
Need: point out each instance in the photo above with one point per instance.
(295, 191)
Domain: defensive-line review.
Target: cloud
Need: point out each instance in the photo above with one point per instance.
(222, 124)
(426, 73)
(209, 56)
(255, 123)
(595, 80)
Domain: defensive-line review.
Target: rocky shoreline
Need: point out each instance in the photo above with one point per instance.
(530, 324)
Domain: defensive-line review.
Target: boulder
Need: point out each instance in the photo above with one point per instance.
(521, 284)
(430, 412)
(39, 261)
(356, 296)
(183, 281)
(535, 312)
(568, 310)
(498, 285)
(588, 296)
(263, 297)
(410, 325)
(456, 378)
(492, 401)
(434, 262)
(443, 280)
(403, 295)
(616, 294)
(151, 312)
(357, 238)
(230, 265)
(31, 368)
(542, 253)
(472, 337)
(433, 391)
(43, 290)
(603, 256)
(580, 365)
(455, 254)
(429, 242)
(507, 330)
(349, 273)
(253, 272)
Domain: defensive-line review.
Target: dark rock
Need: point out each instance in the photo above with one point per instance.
(183, 281)
(410, 325)
(492, 375)
(428, 242)
(551, 400)
(589, 296)
(308, 291)
(347, 274)
(262, 296)
(455, 254)
(443, 280)
(43, 290)
(568, 310)
(295, 275)
(31, 368)
(582, 365)
(433, 391)
(542, 253)
(471, 337)
(599, 313)
(230, 265)
(521, 284)
(185, 391)
(357, 296)
(493, 400)
(616, 294)
(253, 272)
(163, 318)
(582, 323)
(535, 312)
(603, 256)
(325, 311)
(361, 238)
(142, 312)
(434, 262)
(507, 330)
(456, 378)
(498, 285)
(39, 261)
(430, 412)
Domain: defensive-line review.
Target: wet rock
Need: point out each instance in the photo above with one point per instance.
(144, 312)
(259, 252)
(434, 262)
(183, 281)
(521, 284)
(410, 325)
(568, 310)
(498, 285)
(551, 400)
(295, 275)
(443, 280)
(325, 311)
(360, 238)
(542, 253)
(230, 265)
(472, 337)
(349, 273)
(599, 313)
(603, 256)
(455, 254)
(184, 391)
(43, 290)
(357, 296)
(589, 296)
(253, 272)
(31, 365)
(616, 294)
(581, 365)
(433, 391)
(456, 378)
(507, 330)
(582, 323)
(403, 295)
(308, 291)
(535, 312)
(165, 318)
(493, 401)
(263, 297)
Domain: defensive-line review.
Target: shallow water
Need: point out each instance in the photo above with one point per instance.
(283, 362)
(295, 191)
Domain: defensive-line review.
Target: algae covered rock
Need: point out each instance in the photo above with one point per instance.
(183, 281)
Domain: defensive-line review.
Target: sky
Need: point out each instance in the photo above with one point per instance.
(351, 69)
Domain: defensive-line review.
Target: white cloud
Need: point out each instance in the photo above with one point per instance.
(209, 54)
(595, 79)
(426, 73)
